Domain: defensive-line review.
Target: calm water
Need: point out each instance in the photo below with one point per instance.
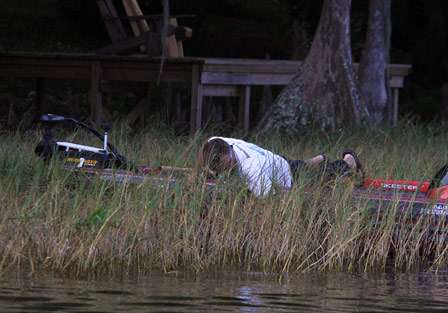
(230, 292)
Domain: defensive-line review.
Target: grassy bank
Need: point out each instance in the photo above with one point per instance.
(58, 222)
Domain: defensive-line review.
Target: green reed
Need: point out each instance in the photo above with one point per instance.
(54, 220)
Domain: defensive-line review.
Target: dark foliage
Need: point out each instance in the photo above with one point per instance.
(248, 29)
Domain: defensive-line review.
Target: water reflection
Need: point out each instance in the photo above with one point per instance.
(230, 292)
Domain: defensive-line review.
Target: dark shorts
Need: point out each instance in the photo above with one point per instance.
(329, 170)
(296, 166)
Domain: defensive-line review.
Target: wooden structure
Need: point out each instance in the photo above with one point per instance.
(235, 77)
(146, 31)
(207, 77)
(100, 71)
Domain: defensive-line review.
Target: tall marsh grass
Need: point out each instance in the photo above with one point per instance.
(56, 221)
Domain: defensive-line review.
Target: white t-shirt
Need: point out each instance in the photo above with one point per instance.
(260, 167)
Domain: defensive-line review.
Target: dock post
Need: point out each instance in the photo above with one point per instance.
(96, 105)
(395, 107)
(244, 108)
(196, 100)
(40, 101)
(11, 90)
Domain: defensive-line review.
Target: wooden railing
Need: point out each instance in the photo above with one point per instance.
(235, 77)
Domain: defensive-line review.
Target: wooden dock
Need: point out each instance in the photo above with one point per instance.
(207, 77)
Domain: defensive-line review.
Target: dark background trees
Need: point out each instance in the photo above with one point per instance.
(251, 28)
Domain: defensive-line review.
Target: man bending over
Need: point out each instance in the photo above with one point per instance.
(262, 169)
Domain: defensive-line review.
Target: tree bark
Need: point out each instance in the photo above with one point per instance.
(324, 92)
(373, 77)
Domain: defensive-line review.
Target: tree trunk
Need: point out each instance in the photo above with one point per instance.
(324, 92)
(374, 88)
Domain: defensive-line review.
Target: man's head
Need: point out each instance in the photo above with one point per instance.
(216, 157)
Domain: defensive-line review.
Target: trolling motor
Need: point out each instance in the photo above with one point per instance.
(76, 155)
